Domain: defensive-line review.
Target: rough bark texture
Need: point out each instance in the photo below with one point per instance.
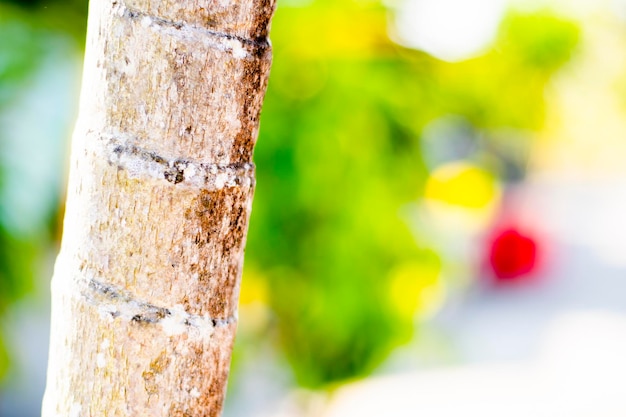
(146, 285)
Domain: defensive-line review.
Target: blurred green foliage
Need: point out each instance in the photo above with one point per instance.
(18, 52)
(25, 34)
(540, 40)
(339, 158)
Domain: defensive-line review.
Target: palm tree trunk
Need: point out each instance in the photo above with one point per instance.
(145, 288)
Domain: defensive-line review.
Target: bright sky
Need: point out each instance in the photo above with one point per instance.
(449, 29)
(454, 30)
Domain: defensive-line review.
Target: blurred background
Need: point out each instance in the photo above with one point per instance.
(439, 222)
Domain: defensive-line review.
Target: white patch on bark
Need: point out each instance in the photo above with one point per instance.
(237, 49)
(220, 180)
(232, 117)
(192, 33)
(194, 393)
(190, 172)
(176, 323)
(146, 21)
(141, 163)
(100, 360)
(116, 304)
(138, 168)
(75, 410)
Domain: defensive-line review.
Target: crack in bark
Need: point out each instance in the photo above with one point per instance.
(232, 43)
(140, 162)
(117, 303)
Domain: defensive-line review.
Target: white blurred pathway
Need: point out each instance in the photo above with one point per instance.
(554, 349)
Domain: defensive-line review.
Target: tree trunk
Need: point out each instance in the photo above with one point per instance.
(146, 285)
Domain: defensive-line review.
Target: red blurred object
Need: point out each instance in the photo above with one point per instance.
(512, 256)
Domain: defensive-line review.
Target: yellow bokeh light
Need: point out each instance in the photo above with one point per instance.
(253, 288)
(462, 184)
(416, 288)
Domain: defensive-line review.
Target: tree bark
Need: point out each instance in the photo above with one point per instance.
(146, 285)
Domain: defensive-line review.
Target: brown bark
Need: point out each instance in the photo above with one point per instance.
(146, 284)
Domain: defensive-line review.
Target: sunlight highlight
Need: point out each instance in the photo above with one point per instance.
(452, 30)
